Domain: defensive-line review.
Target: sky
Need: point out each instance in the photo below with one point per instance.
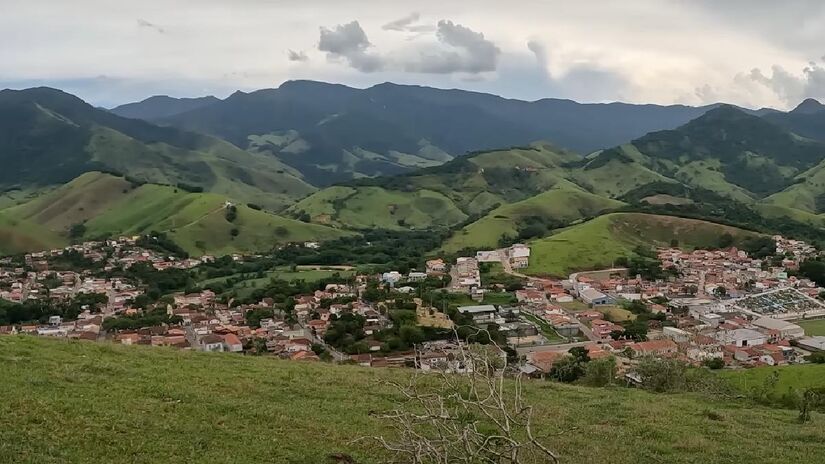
(754, 53)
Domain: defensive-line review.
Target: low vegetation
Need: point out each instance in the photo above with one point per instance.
(89, 402)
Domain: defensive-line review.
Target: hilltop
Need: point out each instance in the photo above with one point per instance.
(106, 205)
(89, 402)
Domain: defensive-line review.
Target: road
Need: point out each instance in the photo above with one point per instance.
(561, 347)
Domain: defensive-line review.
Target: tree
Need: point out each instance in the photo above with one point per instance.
(726, 240)
(470, 417)
(567, 369)
(600, 372)
(77, 231)
(720, 291)
(714, 363)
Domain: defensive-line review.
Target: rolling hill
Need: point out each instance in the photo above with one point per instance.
(596, 244)
(332, 133)
(108, 205)
(441, 196)
(85, 402)
(19, 236)
(48, 137)
(564, 203)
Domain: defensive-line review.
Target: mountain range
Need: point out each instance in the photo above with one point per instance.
(401, 158)
(332, 133)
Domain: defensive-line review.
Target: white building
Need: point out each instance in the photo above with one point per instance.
(741, 337)
(786, 329)
(481, 314)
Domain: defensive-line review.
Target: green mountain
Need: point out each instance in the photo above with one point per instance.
(48, 138)
(85, 399)
(748, 152)
(108, 205)
(332, 133)
(726, 166)
(161, 106)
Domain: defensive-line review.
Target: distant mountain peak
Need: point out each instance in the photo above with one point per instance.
(809, 106)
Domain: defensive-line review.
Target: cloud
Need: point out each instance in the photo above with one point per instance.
(466, 51)
(792, 88)
(459, 49)
(350, 42)
(402, 24)
(540, 51)
(142, 23)
(299, 55)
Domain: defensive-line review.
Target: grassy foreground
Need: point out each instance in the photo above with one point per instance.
(83, 402)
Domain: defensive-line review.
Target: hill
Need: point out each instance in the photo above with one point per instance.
(108, 205)
(48, 137)
(440, 196)
(84, 402)
(564, 203)
(161, 106)
(598, 243)
(332, 133)
(18, 236)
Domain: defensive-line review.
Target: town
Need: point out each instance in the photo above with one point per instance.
(719, 308)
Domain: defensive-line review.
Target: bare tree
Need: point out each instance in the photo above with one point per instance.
(467, 412)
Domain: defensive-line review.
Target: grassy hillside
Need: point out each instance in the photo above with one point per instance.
(87, 403)
(563, 203)
(110, 206)
(20, 236)
(797, 377)
(440, 196)
(598, 243)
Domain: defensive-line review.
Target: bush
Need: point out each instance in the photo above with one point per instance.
(600, 372)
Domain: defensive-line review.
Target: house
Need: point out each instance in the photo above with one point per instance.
(481, 314)
(232, 343)
(677, 335)
(654, 347)
(593, 297)
(519, 256)
(436, 266)
(416, 276)
(544, 360)
(391, 278)
(211, 342)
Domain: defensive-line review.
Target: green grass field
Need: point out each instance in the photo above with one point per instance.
(376, 207)
(616, 314)
(797, 377)
(83, 402)
(597, 244)
(813, 327)
(548, 331)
